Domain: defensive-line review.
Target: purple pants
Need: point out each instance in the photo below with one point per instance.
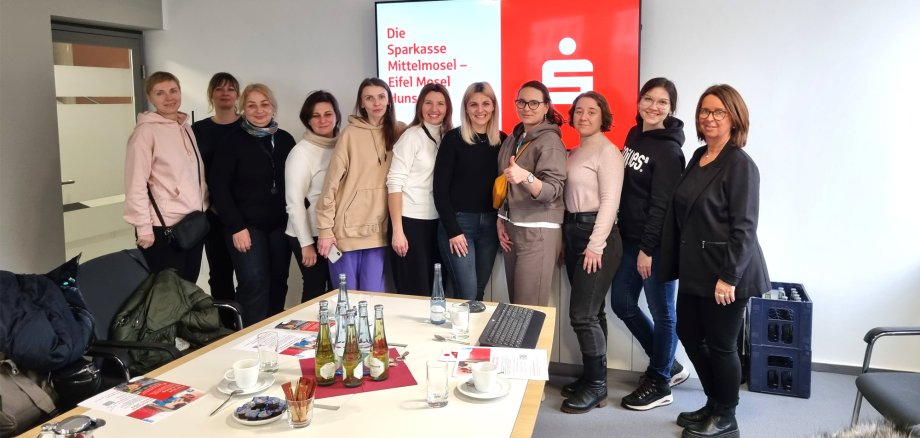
(363, 269)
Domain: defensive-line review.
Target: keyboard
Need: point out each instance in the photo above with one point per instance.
(513, 326)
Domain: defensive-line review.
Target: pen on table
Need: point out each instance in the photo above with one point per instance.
(396, 344)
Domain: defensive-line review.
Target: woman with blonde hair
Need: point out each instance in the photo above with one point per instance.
(464, 172)
(164, 178)
(248, 173)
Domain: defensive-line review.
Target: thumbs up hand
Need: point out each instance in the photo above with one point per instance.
(515, 174)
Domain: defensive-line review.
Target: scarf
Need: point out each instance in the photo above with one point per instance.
(260, 132)
(323, 142)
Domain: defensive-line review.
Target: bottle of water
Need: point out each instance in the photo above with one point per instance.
(438, 302)
(343, 292)
(364, 335)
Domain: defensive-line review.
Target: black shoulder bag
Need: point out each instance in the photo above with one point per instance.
(194, 227)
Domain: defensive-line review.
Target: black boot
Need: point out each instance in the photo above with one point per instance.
(698, 416)
(572, 388)
(720, 424)
(593, 391)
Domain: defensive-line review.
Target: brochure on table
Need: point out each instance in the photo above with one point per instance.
(513, 363)
(145, 399)
(295, 343)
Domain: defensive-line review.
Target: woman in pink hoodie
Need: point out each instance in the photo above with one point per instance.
(163, 164)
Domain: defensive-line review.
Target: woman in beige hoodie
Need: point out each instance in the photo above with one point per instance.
(163, 163)
(351, 213)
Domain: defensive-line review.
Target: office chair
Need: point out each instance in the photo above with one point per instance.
(106, 282)
(896, 395)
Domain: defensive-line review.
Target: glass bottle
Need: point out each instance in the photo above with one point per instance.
(343, 292)
(438, 302)
(340, 333)
(364, 334)
(325, 359)
(379, 362)
(352, 367)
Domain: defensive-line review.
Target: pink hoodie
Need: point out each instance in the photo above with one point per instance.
(161, 154)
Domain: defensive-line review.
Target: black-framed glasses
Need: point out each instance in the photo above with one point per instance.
(532, 104)
(717, 115)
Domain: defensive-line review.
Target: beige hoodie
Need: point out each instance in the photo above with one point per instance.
(353, 205)
(162, 154)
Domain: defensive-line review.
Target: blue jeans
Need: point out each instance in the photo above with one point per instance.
(261, 273)
(658, 341)
(470, 274)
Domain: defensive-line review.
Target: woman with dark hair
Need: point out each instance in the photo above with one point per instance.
(163, 171)
(413, 216)
(351, 213)
(710, 245)
(654, 162)
(304, 173)
(532, 159)
(594, 177)
(248, 175)
(464, 172)
(223, 92)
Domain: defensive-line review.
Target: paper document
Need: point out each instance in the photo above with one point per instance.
(148, 400)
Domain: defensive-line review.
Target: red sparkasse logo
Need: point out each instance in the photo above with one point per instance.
(572, 47)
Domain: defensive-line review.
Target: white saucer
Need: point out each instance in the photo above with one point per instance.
(257, 422)
(265, 380)
(502, 388)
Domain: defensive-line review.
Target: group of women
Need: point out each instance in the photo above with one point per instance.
(338, 198)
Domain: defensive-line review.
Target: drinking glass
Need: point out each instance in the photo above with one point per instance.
(460, 320)
(437, 379)
(268, 351)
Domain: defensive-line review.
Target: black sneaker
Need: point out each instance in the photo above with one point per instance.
(650, 394)
(679, 374)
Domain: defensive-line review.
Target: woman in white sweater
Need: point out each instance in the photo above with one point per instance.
(410, 197)
(304, 173)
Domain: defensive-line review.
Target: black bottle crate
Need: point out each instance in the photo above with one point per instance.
(781, 323)
(780, 370)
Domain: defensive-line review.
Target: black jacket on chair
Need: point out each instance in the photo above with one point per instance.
(718, 239)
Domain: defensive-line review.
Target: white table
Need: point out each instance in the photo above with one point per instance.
(377, 413)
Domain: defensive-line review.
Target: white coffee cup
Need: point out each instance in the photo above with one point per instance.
(245, 373)
(485, 374)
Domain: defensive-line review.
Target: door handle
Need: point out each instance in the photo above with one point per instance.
(68, 182)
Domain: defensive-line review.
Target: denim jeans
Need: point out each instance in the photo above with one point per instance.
(262, 273)
(586, 308)
(659, 340)
(470, 274)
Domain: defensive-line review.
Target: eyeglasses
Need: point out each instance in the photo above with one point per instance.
(661, 104)
(532, 104)
(717, 115)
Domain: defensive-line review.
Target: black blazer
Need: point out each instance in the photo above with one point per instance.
(718, 239)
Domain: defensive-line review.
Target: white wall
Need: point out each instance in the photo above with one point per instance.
(31, 220)
(832, 93)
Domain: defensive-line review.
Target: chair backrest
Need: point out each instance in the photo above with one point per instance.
(107, 281)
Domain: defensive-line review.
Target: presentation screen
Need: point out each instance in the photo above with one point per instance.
(571, 47)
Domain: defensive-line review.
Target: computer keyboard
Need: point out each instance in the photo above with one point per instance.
(513, 326)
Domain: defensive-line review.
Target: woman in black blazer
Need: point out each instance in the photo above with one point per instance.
(710, 245)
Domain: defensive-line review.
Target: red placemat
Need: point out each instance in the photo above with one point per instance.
(399, 376)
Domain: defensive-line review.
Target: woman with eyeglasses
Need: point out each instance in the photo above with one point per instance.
(304, 173)
(654, 162)
(410, 199)
(594, 178)
(710, 246)
(464, 173)
(248, 180)
(351, 213)
(532, 160)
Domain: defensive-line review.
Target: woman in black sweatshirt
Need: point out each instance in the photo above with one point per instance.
(654, 162)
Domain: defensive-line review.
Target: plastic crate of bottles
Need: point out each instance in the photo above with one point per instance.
(782, 323)
(780, 370)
